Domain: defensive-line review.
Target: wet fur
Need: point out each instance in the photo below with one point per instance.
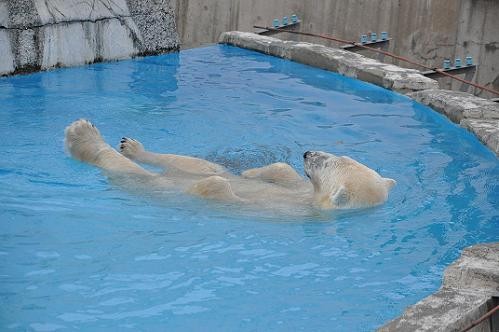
(336, 182)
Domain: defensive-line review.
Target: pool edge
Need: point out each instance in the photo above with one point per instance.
(467, 293)
(478, 115)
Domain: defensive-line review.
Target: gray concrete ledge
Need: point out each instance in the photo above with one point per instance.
(466, 294)
(343, 62)
(478, 115)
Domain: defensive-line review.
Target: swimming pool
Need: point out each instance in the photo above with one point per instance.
(76, 252)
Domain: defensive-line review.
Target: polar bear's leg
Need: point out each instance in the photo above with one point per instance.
(214, 187)
(280, 173)
(84, 142)
(134, 150)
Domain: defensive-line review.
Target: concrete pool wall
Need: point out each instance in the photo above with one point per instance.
(39, 34)
(478, 115)
(425, 31)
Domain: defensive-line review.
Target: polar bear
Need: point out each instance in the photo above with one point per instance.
(335, 182)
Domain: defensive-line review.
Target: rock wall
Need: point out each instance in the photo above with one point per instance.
(41, 34)
(478, 115)
(467, 292)
(426, 31)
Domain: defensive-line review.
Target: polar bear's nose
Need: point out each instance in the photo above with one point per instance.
(306, 154)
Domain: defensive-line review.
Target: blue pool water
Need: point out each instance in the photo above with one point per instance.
(78, 253)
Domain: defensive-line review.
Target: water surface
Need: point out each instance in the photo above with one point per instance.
(78, 253)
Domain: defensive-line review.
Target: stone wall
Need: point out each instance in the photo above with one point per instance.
(41, 34)
(478, 115)
(426, 31)
(466, 294)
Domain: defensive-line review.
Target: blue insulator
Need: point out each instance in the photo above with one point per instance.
(363, 39)
(294, 18)
(374, 36)
(285, 20)
(469, 61)
(446, 64)
(457, 63)
(384, 35)
(275, 23)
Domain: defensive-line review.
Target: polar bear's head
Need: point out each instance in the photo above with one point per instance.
(341, 182)
(321, 168)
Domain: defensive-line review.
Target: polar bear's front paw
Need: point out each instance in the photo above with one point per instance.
(131, 148)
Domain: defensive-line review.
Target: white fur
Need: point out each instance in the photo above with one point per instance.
(343, 183)
(336, 182)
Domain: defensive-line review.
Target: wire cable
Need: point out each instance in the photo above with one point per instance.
(481, 319)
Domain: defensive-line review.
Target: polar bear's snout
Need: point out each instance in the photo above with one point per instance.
(306, 155)
(317, 156)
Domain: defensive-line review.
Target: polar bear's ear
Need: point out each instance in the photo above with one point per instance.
(389, 183)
